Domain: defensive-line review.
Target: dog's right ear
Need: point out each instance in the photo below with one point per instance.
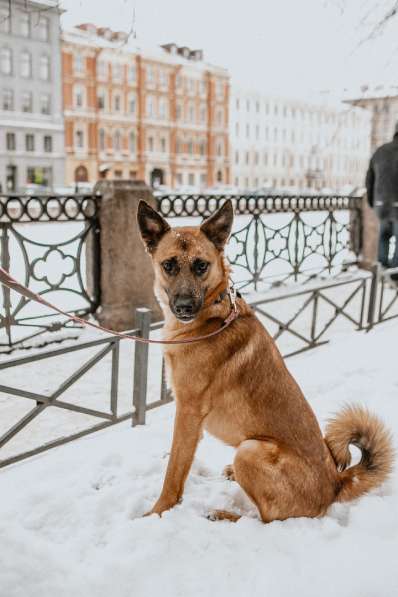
(151, 224)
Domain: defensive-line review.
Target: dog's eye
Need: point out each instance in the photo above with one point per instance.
(200, 267)
(169, 266)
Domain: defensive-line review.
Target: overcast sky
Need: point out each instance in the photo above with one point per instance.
(291, 47)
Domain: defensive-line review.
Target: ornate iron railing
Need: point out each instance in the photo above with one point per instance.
(50, 260)
(281, 238)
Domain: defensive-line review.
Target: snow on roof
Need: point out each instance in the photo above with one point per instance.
(371, 92)
(89, 37)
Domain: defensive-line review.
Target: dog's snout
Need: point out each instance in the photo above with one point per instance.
(184, 305)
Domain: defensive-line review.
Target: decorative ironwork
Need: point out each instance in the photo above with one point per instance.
(46, 266)
(309, 331)
(285, 238)
(387, 307)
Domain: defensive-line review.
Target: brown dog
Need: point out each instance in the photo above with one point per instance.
(237, 387)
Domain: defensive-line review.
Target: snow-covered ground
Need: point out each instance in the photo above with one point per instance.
(71, 520)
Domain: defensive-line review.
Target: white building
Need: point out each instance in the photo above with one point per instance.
(31, 114)
(291, 144)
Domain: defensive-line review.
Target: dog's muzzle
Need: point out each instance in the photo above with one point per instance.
(185, 307)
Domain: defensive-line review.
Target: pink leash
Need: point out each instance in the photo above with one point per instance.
(10, 282)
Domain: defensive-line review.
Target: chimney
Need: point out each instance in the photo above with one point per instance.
(196, 55)
(184, 51)
(89, 27)
(170, 48)
(119, 36)
(105, 32)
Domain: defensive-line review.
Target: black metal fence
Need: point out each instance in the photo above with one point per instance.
(49, 259)
(277, 239)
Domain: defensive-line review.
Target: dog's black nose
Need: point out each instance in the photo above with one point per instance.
(183, 306)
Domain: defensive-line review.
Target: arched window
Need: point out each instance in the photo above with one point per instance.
(101, 139)
(6, 61)
(44, 69)
(26, 64)
(117, 140)
(132, 142)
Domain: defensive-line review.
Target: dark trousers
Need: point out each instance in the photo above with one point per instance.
(388, 230)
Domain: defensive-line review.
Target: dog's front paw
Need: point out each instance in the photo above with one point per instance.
(229, 473)
(160, 507)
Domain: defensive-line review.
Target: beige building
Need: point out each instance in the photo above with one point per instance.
(156, 114)
(291, 144)
(382, 103)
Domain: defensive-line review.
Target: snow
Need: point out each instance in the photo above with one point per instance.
(71, 520)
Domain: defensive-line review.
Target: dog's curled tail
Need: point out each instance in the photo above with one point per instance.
(357, 426)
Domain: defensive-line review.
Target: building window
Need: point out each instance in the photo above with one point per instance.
(101, 99)
(202, 87)
(117, 103)
(44, 29)
(202, 147)
(44, 70)
(191, 113)
(203, 114)
(247, 131)
(26, 64)
(78, 64)
(163, 108)
(163, 145)
(132, 73)
(191, 179)
(178, 111)
(45, 103)
(102, 69)
(150, 106)
(29, 142)
(150, 75)
(150, 143)
(236, 157)
(6, 61)
(117, 72)
(118, 174)
(219, 148)
(247, 105)
(163, 79)
(101, 139)
(8, 99)
(48, 143)
(10, 142)
(132, 103)
(26, 101)
(237, 129)
(190, 146)
(247, 158)
(219, 176)
(132, 142)
(24, 25)
(79, 139)
(42, 176)
(220, 117)
(117, 141)
(5, 21)
(79, 96)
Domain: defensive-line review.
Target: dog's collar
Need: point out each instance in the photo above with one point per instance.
(231, 292)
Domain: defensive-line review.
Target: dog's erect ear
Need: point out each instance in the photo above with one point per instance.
(217, 228)
(151, 224)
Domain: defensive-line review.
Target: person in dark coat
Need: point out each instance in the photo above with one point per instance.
(382, 191)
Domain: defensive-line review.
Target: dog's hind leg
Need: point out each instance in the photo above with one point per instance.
(277, 480)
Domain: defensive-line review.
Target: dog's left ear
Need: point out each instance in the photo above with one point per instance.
(218, 227)
(151, 224)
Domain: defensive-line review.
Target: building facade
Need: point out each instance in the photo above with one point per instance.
(382, 103)
(289, 144)
(158, 115)
(31, 114)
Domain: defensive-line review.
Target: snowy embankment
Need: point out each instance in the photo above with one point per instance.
(71, 520)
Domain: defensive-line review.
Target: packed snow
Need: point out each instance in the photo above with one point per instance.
(71, 519)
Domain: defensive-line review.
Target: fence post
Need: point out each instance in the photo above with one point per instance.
(143, 319)
(373, 294)
(126, 273)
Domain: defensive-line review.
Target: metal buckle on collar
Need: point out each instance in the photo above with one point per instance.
(232, 296)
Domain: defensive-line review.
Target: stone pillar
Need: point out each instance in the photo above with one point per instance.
(126, 269)
(370, 235)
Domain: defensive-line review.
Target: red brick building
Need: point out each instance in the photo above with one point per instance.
(158, 115)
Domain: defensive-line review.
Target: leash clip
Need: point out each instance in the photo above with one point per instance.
(232, 297)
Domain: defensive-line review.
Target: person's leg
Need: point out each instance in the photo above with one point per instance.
(394, 261)
(384, 242)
